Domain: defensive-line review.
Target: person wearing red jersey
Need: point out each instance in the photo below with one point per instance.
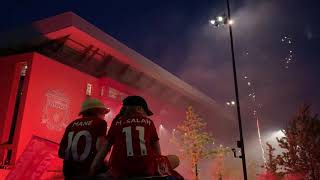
(82, 139)
(134, 140)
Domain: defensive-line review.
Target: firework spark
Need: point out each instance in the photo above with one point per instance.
(255, 107)
(287, 43)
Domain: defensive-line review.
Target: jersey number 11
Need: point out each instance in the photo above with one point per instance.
(127, 131)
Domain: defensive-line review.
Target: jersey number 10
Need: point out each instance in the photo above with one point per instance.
(73, 140)
(143, 149)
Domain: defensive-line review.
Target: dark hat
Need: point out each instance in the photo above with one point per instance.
(137, 101)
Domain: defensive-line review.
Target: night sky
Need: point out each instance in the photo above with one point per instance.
(276, 43)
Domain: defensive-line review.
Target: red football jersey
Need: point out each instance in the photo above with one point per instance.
(132, 138)
(79, 144)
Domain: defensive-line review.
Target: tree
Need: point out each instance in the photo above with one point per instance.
(193, 141)
(219, 168)
(271, 166)
(301, 145)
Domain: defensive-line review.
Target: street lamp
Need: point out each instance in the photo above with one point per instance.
(231, 103)
(220, 18)
(217, 22)
(221, 21)
(276, 134)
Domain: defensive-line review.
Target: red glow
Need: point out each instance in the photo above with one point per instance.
(51, 98)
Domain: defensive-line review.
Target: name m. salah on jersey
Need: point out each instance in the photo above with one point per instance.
(133, 121)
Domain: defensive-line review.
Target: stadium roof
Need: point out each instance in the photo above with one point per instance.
(70, 30)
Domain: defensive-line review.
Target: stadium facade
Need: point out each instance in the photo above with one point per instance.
(47, 70)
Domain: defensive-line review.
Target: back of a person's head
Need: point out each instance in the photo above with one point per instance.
(92, 107)
(137, 104)
(95, 112)
(135, 110)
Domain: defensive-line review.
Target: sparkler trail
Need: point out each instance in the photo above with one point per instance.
(252, 96)
(260, 141)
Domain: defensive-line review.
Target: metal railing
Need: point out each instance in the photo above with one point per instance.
(4, 149)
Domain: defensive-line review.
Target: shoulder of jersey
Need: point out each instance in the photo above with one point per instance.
(73, 122)
(99, 121)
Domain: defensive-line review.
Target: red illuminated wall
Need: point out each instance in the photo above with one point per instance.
(53, 99)
(112, 93)
(10, 68)
(52, 96)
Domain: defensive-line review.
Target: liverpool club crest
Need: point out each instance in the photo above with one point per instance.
(55, 113)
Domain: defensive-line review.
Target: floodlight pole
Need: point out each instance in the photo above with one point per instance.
(243, 155)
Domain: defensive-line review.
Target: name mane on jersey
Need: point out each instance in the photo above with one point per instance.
(134, 120)
(82, 123)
